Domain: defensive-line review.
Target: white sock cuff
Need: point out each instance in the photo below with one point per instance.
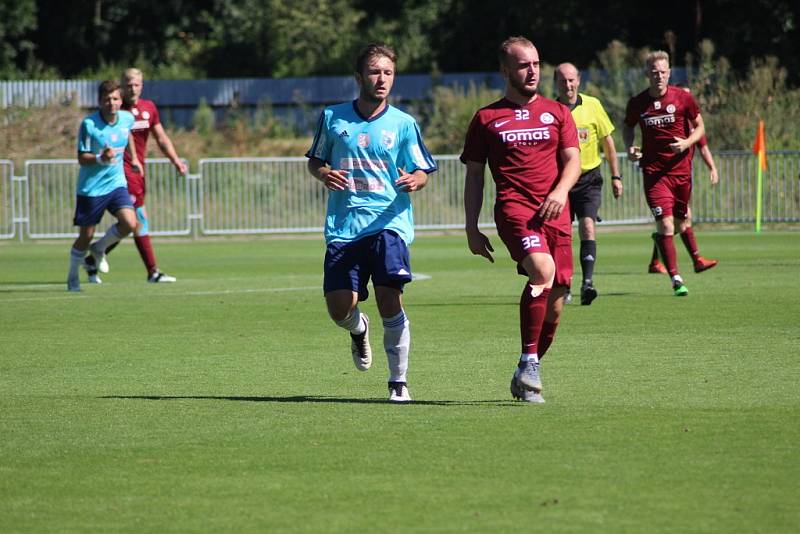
(352, 322)
(397, 322)
(526, 357)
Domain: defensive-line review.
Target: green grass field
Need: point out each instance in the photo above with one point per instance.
(229, 401)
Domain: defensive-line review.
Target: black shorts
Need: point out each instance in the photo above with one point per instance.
(585, 195)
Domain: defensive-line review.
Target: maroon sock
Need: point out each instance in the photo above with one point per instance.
(531, 316)
(654, 257)
(546, 337)
(687, 236)
(146, 252)
(667, 248)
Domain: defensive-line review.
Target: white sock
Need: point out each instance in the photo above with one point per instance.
(527, 357)
(112, 236)
(397, 342)
(75, 261)
(353, 322)
(677, 278)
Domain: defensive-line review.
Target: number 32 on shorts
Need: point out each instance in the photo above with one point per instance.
(531, 241)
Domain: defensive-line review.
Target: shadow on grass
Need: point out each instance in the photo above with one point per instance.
(312, 399)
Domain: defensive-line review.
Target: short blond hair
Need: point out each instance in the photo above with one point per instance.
(656, 55)
(505, 46)
(132, 72)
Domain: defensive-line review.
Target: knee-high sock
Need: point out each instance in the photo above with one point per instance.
(397, 342)
(654, 257)
(588, 257)
(687, 236)
(145, 249)
(531, 316)
(667, 248)
(111, 237)
(75, 261)
(353, 323)
(546, 337)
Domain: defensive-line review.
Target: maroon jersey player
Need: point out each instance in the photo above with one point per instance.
(671, 123)
(147, 120)
(531, 146)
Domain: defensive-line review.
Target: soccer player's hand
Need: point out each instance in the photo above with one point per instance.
(617, 188)
(714, 177)
(479, 244)
(107, 155)
(335, 179)
(679, 145)
(634, 153)
(553, 205)
(181, 167)
(407, 182)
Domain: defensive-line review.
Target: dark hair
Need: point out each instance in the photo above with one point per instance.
(106, 87)
(502, 52)
(373, 50)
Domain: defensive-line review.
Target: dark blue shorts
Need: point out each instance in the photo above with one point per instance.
(89, 210)
(382, 257)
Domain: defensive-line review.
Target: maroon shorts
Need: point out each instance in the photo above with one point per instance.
(668, 194)
(523, 234)
(136, 188)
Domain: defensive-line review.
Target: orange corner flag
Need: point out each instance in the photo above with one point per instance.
(760, 146)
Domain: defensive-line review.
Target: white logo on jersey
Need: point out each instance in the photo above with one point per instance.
(657, 104)
(671, 108)
(363, 140)
(388, 138)
(114, 138)
(528, 134)
(659, 120)
(146, 115)
(498, 124)
(546, 118)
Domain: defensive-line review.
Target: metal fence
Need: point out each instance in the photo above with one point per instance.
(277, 196)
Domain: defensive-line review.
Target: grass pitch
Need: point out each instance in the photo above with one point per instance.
(229, 402)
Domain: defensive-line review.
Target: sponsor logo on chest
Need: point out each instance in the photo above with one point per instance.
(659, 120)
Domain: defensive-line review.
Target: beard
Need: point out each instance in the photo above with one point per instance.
(522, 89)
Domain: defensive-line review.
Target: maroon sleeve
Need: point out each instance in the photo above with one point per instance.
(690, 104)
(475, 148)
(631, 113)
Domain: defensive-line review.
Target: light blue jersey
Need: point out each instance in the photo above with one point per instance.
(93, 136)
(371, 151)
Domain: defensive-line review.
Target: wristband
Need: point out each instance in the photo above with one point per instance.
(617, 178)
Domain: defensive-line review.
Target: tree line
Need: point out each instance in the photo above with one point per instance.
(278, 38)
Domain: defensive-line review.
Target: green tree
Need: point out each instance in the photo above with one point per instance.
(17, 18)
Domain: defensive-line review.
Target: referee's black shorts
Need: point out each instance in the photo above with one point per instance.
(585, 196)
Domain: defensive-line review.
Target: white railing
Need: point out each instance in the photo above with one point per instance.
(277, 195)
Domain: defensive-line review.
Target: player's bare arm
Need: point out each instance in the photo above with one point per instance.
(555, 202)
(681, 144)
(708, 159)
(334, 179)
(413, 181)
(477, 242)
(610, 152)
(628, 136)
(168, 149)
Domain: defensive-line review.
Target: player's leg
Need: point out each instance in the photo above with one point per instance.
(588, 257)
(540, 268)
(562, 256)
(588, 214)
(661, 198)
(687, 236)
(119, 204)
(76, 256)
(655, 266)
(344, 285)
(391, 269)
(141, 238)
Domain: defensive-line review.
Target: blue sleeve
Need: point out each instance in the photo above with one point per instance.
(84, 137)
(321, 146)
(414, 154)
